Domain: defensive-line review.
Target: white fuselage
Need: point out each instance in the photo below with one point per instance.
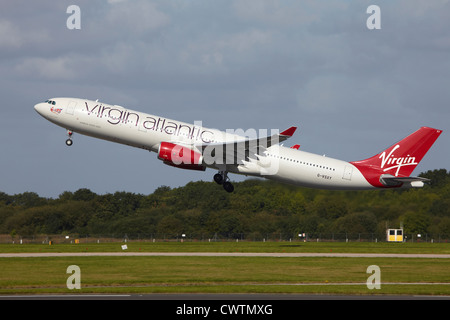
(117, 124)
(316, 171)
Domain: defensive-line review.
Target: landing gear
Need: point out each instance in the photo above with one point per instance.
(69, 141)
(228, 186)
(218, 178)
(222, 178)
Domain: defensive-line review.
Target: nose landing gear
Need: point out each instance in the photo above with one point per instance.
(69, 141)
(222, 178)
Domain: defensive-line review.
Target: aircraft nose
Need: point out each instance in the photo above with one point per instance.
(39, 107)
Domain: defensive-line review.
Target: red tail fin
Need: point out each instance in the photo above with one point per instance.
(401, 158)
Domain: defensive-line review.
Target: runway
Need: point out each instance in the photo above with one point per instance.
(224, 254)
(241, 297)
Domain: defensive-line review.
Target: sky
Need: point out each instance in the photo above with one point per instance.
(235, 64)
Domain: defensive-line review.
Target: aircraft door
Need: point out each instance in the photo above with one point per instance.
(71, 107)
(348, 170)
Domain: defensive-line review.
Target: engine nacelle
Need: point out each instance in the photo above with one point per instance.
(180, 157)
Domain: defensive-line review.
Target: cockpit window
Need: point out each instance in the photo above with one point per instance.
(50, 102)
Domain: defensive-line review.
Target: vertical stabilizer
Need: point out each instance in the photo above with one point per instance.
(400, 159)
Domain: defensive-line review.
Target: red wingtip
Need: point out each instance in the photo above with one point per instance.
(289, 132)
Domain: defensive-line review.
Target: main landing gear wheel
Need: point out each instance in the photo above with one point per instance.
(222, 178)
(69, 141)
(218, 178)
(228, 186)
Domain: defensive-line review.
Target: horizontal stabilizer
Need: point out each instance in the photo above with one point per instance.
(391, 181)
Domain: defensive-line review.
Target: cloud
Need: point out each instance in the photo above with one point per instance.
(13, 37)
(137, 17)
(275, 12)
(223, 53)
(60, 68)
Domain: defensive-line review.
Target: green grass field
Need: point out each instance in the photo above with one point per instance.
(420, 276)
(284, 246)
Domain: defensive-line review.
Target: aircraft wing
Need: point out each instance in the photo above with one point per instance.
(390, 180)
(235, 152)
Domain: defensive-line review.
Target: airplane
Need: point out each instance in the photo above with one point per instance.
(193, 147)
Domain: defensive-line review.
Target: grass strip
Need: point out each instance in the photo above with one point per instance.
(224, 275)
(279, 247)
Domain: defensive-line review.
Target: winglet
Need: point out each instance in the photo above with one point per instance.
(289, 132)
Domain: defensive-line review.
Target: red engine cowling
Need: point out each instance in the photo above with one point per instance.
(180, 157)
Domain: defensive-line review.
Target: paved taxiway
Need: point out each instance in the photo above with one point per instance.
(219, 297)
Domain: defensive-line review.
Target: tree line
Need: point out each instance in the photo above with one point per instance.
(255, 207)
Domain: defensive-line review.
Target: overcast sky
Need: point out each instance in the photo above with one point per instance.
(244, 64)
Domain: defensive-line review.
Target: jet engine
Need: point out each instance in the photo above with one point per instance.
(180, 157)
